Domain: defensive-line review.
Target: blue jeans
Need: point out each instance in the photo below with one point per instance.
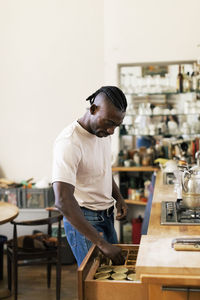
(102, 220)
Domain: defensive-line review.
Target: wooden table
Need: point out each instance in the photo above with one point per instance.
(7, 213)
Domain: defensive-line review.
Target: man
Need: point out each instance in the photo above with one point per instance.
(82, 176)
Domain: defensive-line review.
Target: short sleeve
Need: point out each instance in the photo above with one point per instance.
(66, 158)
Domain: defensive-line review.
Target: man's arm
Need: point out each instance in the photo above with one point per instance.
(67, 204)
(120, 205)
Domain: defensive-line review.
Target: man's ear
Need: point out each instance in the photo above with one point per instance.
(93, 109)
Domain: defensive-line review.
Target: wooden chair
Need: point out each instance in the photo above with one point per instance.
(17, 256)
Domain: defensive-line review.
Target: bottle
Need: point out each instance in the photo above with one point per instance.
(194, 78)
(136, 159)
(121, 158)
(198, 78)
(179, 86)
(186, 82)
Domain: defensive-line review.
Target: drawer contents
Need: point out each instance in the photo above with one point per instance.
(107, 271)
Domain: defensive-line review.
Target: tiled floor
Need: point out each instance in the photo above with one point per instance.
(32, 283)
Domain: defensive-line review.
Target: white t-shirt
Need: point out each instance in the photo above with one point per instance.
(84, 160)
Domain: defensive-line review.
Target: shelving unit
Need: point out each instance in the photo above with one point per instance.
(160, 91)
(135, 169)
(136, 205)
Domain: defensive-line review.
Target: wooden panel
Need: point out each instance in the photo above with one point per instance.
(156, 293)
(194, 295)
(115, 290)
(84, 269)
(91, 289)
(172, 280)
(156, 256)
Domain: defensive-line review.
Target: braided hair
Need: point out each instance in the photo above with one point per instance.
(115, 95)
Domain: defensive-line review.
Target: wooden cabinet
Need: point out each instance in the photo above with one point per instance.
(158, 292)
(194, 295)
(161, 272)
(145, 287)
(92, 289)
(170, 274)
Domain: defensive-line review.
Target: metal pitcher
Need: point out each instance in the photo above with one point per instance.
(191, 185)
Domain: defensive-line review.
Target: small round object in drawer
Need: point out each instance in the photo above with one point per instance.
(131, 276)
(120, 270)
(118, 276)
(102, 276)
(104, 269)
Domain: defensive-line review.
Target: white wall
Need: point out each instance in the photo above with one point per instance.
(51, 59)
(149, 30)
(53, 53)
(146, 31)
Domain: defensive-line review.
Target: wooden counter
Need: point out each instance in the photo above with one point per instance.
(161, 272)
(169, 274)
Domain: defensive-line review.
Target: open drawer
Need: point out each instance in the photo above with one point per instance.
(91, 288)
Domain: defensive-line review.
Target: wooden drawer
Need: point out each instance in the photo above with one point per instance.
(109, 289)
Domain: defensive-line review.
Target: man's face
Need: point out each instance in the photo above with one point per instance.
(105, 117)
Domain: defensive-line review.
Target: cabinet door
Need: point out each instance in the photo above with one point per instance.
(194, 295)
(157, 293)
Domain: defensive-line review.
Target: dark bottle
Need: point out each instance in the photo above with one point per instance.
(179, 87)
(121, 158)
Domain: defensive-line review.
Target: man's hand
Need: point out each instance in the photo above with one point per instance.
(121, 209)
(113, 252)
(120, 203)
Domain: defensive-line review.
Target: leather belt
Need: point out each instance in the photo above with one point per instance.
(107, 211)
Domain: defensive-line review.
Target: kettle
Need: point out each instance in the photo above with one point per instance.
(191, 185)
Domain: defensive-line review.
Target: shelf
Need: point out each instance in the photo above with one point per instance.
(169, 135)
(160, 115)
(135, 169)
(135, 202)
(161, 93)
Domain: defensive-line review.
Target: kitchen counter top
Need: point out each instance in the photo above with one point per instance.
(156, 256)
(164, 192)
(161, 272)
